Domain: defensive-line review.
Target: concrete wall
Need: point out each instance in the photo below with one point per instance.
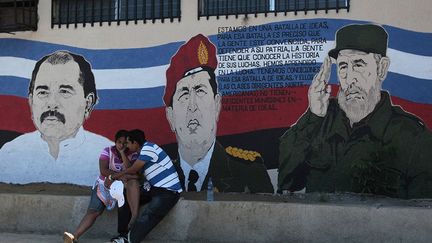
(235, 221)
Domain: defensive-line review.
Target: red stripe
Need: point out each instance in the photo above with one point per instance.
(16, 115)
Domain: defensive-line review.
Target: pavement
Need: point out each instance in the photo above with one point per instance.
(37, 238)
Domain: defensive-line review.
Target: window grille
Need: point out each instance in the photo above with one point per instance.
(207, 8)
(74, 12)
(18, 15)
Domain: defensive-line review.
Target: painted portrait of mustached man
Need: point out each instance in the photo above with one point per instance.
(61, 95)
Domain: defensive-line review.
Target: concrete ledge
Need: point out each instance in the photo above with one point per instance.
(231, 221)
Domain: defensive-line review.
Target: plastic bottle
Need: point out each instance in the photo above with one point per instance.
(210, 193)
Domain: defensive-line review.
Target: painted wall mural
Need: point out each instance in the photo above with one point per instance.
(275, 120)
(61, 96)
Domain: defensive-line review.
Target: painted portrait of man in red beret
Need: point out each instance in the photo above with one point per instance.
(193, 105)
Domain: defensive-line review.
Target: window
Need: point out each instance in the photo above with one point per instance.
(66, 12)
(16, 15)
(217, 8)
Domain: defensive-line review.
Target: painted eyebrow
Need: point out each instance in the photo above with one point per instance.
(359, 61)
(342, 63)
(183, 89)
(64, 86)
(41, 87)
(199, 86)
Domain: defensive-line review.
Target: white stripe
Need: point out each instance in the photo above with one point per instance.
(410, 64)
(165, 161)
(128, 78)
(150, 153)
(16, 66)
(158, 149)
(150, 169)
(155, 173)
(166, 179)
(132, 78)
(172, 183)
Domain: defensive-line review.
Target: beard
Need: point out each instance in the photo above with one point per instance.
(357, 103)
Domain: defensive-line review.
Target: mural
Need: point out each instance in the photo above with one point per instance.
(192, 108)
(234, 95)
(358, 141)
(61, 95)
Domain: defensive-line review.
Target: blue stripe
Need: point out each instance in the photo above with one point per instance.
(100, 59)
(412, 89)
(409, 41)
(10, 85)
(130, 98)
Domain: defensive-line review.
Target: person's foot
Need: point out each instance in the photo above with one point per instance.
(119, 239)
(68, 238)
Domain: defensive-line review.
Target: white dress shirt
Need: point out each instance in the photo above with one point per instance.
(201, 167)
(27, 159)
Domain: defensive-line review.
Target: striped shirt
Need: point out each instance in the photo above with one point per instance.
(158, 168)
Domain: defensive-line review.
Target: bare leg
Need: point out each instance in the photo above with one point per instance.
(133, 194)
(86, 222)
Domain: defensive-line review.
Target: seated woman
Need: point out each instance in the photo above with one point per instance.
(112, 160)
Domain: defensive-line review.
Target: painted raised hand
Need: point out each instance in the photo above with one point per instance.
(319, 90)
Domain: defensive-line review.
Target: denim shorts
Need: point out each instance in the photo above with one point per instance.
(95, 203)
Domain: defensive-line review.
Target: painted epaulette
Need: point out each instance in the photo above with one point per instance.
(415, 119)
(244, 155)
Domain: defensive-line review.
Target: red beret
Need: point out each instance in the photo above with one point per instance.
(197, 52)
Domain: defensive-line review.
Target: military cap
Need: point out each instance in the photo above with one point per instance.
(190, 58)
(369, 38)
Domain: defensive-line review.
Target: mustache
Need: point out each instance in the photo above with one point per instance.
(54, 113)
(353, 89)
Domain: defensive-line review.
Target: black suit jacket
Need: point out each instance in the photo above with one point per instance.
(230, 175)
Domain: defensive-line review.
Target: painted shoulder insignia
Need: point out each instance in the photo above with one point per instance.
(246, 155)
(407, 115)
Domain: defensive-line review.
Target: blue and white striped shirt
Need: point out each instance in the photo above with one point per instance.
(158, 168)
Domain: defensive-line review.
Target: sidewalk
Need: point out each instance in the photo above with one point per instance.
(35, 238)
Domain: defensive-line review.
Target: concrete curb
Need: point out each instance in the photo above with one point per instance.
(230, 221)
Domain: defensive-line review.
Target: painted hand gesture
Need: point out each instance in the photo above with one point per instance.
(319, 90)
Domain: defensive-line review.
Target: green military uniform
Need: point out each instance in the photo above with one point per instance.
(389, 152)
(229, 175)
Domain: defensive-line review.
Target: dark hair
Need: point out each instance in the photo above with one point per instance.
(120, 133)
(86, 77)
(137, 135)
(212, 82)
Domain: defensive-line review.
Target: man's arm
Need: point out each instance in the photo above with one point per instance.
(132, 170)
(319, 90)
(295, 144)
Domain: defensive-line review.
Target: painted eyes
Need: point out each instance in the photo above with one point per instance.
(65, 93)
(185, 94)
(42, 93)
